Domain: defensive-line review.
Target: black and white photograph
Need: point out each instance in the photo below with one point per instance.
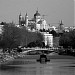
(37, 37)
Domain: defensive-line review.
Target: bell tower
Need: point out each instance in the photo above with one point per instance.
(20, 19)
(37, 16)
(26, 19)
(61, 27)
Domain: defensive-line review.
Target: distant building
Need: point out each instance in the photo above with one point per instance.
(48, 39)
(37, 22)
(52, 28)
(66, 29)
(61, 27)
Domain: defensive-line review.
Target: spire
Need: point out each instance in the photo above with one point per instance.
(61, 23)
(20, 18)
(26, 19)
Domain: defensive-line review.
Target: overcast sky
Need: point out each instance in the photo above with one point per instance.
(54, 9)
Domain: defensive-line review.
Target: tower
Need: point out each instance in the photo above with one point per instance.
(61, 27)
(37, 18)
(20, 19)
(26, 19)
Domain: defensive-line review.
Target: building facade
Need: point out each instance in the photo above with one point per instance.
(48, 39)
(37, 22)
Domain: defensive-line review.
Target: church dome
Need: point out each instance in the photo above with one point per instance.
(37, 14)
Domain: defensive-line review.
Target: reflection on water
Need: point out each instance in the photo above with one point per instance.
(55, 67)
(22, 70)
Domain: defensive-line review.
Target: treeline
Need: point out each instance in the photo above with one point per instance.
(67, 39)
(13, 36)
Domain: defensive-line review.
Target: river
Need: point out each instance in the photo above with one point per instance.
(31, 67)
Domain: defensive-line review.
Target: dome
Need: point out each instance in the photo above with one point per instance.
(37, 14)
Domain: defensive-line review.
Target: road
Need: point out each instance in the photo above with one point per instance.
(58, 65)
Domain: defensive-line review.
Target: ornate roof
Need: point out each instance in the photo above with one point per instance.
(37, 13)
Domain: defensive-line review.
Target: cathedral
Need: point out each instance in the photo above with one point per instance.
(37, 22)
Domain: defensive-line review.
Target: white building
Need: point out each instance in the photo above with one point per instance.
(52, 28)
(48, 39)
(66, 29)
(37, 22)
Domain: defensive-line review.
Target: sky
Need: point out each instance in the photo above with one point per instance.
(54, 10)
